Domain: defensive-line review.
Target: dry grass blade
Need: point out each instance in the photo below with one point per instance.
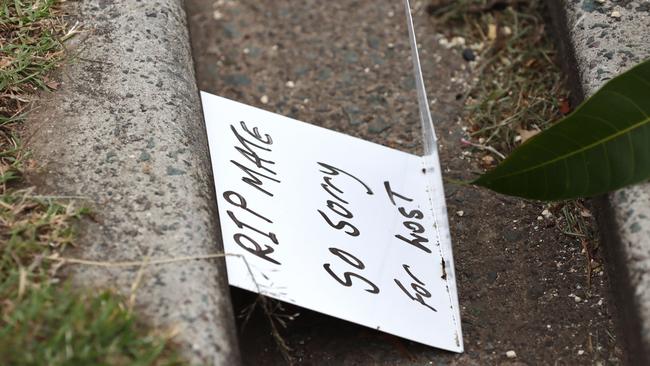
(519, 85)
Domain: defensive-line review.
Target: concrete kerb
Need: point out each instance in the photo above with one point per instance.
(600, 40)
(125, 130)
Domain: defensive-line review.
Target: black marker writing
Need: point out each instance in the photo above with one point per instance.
(245, 241)
(418, 286)
(416, 228)
(336, 171)
(348, 276)
(248, 151)
(336, 203)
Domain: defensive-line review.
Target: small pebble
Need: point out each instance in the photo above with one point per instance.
(577, 299)
(546, 213)
(460, 213)
(488, 160)
(290, 84)
(492, 32)
(264, 99)
(468, 54)
(600, 1)
(453, 42)
(511, 354)
(581, 352)
(458, 41)
(616, 14)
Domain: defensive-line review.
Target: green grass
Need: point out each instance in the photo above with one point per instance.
(32, 44)
(58, 325)
(44, 318)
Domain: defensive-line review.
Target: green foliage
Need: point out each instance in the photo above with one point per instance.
(602, 146)
(30, 43)
(31, 226)
(52, 325)
(43, 323)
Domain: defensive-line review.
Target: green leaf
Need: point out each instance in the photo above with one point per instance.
(602, 146)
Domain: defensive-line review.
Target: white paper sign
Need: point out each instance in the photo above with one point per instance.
(333, 223)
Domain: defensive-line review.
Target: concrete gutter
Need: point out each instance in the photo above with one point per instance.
(125, 130)
(601, 41)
